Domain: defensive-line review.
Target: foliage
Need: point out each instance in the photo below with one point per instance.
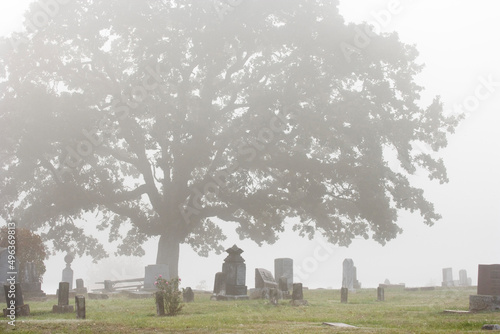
(164, 118)
(172, 296)
(29, 248)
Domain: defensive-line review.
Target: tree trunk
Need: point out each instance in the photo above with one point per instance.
(168, 253)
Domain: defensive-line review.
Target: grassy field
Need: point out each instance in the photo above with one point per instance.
(402, 312)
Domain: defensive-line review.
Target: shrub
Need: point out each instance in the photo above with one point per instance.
(171, 294)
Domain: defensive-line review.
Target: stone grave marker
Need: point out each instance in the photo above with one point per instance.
(298, 295)
(348, 274)
(67, 274)
(32, 287)
(153, 271)
(234, 269)
(188, 295)
(160, 303)
(463, 280)
(343, 295)
(488, 289)
(80, 287)
(447, 277)
(80, 307)
(219, 284)
(264, 279)
(283, 267)
(63, 299)
(380, 294)
(15, 301)
(108, 285)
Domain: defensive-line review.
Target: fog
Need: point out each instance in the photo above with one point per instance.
(458, 42)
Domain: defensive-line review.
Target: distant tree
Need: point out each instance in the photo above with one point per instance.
(29, 248)
(161, 116)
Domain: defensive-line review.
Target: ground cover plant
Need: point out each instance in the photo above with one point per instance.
(401, 312)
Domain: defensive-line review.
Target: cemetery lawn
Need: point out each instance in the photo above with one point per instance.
(401, 312)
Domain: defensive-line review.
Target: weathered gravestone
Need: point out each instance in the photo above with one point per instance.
(447, 277)
(15, 301)
(67, 274)
(356, 284)
(343, 295)
(32, 287)
(160, 303)
(264, 282)
(283, 267)
(264, 279)
(298, 295)
(463, 280)
(188, 295)
(219, 285)
(348, 274)
(80, 287)
(283, 287)
(234, 269)
(151, 272)
(80, 307)
(63, 299)
(380, 294)
(488, 289)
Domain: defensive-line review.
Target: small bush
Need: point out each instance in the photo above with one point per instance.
(171, 294)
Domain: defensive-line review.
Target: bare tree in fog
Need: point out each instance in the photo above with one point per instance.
(159, 116)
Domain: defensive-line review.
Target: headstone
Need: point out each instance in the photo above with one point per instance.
(152, 272)
(32, 287)
(4, 265)
(220, 284)
(297, 293)
(283, 284)
(188, 295)
(160, 303)
(356, 284)
(234, 269)
(387, 282)
(63, 299)
(380, 294)
(67, 274)
(80, 287)
(108, 286)
(463, 280)
(80, 307)
(15, 301)
(264, 279)
(343, 295)
(274, 296)
(348, 274)
(488, 280)
(447, 277)
(283, 267)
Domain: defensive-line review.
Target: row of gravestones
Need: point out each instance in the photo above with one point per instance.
(16, 307)
(448, 278)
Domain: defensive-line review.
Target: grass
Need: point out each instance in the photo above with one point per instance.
(402, 312)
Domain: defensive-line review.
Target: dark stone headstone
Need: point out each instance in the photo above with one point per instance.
(160, 303)
(235, 270)
(297, 293)
(284, 267)
(63, 299)
(283, 283)
(80, 307)
(188, 295)
(274, 296)
(264, 279)
(488, 280)
(343, 295)
(380, 294)
(220, 284)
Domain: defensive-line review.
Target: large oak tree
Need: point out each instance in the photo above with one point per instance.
(161, 116)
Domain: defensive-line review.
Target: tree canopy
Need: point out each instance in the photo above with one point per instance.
(161, 116)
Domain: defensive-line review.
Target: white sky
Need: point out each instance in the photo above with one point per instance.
(458, 41)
